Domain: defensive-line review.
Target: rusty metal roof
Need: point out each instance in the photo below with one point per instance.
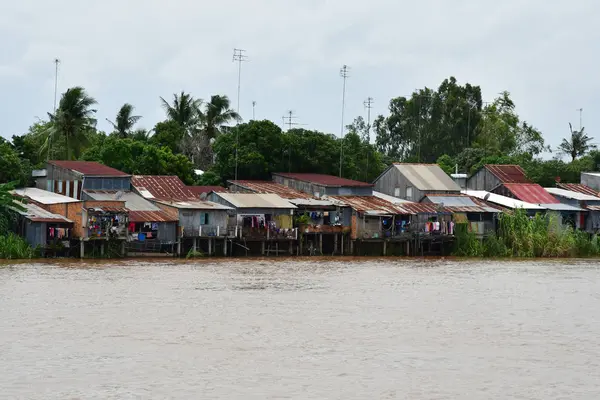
(461, 203)
(371, 205)
(578, 187)
(89, 168)
(198, 190)
(151, 216)
(324, 180)
(162, 187)
(35, 213)
(271, 187)
(508, 173)
(531, 193)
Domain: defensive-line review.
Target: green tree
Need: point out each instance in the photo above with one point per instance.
(28, 145)
(168, 134)
(12, 168)
(71, 123)
(217, 115)
(447, 164)
(185, 110)
(125, 121)
(578, 145)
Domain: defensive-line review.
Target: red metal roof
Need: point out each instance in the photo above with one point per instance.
(508, 173)
(163, 187)
(198, 190)
(425, 208)
(531, 193)
(273, 188)
(90, 168)
(365, 204)
(579, 188)
(150, 216)
(324, 180)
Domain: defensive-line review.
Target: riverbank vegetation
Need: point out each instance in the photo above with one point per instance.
(12, 246)
(521, 236)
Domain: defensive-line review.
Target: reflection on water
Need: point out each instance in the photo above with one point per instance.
(304, 329)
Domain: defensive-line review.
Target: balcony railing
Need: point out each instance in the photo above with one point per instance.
(323, 229)
(267, 233)
(204, 231)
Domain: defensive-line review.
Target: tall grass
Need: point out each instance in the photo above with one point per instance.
(15, 247)
(519, 235)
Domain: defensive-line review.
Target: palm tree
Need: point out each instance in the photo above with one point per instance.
(216, 115)
(125, 121)
(71, 122)
(185, 110)
(578, 145)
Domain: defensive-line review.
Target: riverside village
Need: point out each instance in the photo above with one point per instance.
(86, 209)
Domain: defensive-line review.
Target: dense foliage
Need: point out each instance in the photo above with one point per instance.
(450, 125)
(519, 235)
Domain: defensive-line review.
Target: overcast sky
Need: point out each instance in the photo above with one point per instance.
(545, 53)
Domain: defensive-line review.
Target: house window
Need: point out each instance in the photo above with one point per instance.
(60, 187)
(409, 193)
(204, 219)
(397, 192)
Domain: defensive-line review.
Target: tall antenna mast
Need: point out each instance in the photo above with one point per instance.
(56, 63)
(580, 118)
(253, 110)
(240, 57)
(369, 105)
(290, 117)
(344, 74)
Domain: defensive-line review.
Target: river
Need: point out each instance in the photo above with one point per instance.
(300, 329)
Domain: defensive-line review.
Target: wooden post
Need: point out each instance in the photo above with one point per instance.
(81, 248)
(384, 247)
(408, 247)
(277, 249)
(321, 243)
(300, 245)
(343, 238)
(102, 249)
(291, 247)
(335, 243)
(195, 245)
(263, 247)
(225, 247)
(210, 247)
(123, 248)
(179, 247)
(351, 247)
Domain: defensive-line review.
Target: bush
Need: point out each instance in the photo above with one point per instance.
(15, 247)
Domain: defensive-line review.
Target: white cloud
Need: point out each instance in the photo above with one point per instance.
(135, 51)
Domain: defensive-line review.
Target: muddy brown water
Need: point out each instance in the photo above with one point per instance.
(300, 329)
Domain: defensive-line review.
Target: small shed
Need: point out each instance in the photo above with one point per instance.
(41, 228)
(414, 181)
(480, 216)
(491, 176)
(588, 221)
(319, 185)
(259, 214)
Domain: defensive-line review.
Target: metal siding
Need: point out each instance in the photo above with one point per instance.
(590, 180)
(167, 232)
(483, 180)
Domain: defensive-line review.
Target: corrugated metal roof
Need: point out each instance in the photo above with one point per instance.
(579, 187)
(273, 188)
(150, 216)
(569, 194)
(37, 214)
(508, 173)
(256, 200)
(89, 168)
(531, 193)
(503, 201)
(371, 205)
(198, 190)
(44, 196)
(593, 208)
(324, 180)
(133, 201)
(427, 177)
(426, 208)
(119, 210)
(561, 207)
(194, 204)
(462, 203)
(162, 187)
(140, 209)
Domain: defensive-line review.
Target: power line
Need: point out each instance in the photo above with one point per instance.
(240, 57)
(344, 73)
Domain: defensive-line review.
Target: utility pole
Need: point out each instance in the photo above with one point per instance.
(580, 118)
(253, 110)
(56, 63)
(344, 74)
(240, 57)
(368, 105)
